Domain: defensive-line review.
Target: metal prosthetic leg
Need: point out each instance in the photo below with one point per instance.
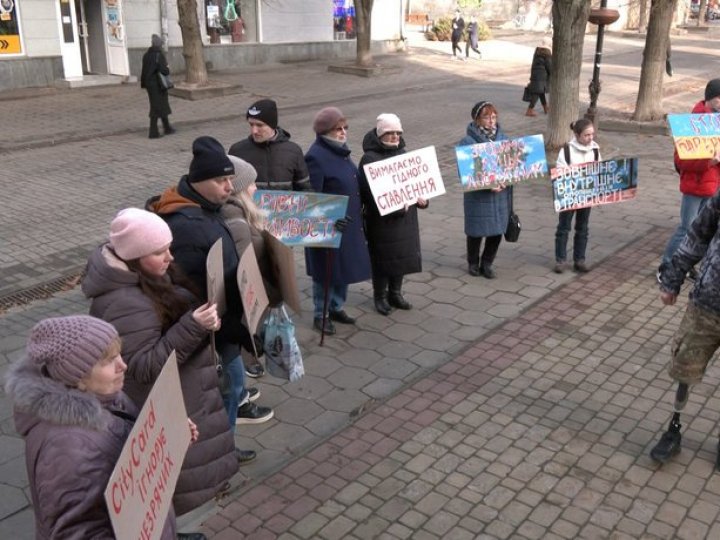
(669, 444)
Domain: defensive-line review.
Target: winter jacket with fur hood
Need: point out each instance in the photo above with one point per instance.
(72, 442)
(117, 298)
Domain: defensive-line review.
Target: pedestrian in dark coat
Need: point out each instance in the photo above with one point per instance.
(332, 171)
(134, 287)
(458, 27)
(487, 211)
(393, 239)
(472, 38)
(153, 63)
(70, 409)
(540, 77)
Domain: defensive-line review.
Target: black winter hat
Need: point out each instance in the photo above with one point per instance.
(712, 89)
(264, 110)
(209, 160)
(477, 108)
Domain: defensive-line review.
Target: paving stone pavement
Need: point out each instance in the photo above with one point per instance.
(59, 199)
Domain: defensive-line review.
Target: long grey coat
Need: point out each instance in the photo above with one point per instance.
(72, 442)
(117, 299)
(486, 212)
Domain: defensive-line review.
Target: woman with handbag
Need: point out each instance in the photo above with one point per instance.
(539, 77)
(487, 211)
(582, 148)
(134, 286)
(155, 66)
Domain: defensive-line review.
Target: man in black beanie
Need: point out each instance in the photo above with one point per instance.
(192, 211)
(279, 161)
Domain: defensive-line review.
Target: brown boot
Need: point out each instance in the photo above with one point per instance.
(546, 108)
(530, 112)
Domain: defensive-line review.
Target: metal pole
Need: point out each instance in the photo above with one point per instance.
(594, 87)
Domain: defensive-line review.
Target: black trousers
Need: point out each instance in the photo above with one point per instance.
(492, 243)
(534, 99)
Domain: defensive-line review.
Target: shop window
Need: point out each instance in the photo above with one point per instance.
(344, 19)
(227, 21)
(10, 43)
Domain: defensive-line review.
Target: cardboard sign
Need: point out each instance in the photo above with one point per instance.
(593, 184)
(252, 290)
(301, 218)
(139, 492)
(216, 276)
(696, 136)
(283, 264)
(400, 181)
(497, 164)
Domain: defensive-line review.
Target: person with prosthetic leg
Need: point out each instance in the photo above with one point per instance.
(698, 336)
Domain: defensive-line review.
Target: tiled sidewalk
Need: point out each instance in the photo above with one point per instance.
(540, 430)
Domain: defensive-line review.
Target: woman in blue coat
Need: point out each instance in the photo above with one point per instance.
(487, 211)
(332, 171)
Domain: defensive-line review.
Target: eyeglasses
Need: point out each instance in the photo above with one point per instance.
(342, 128)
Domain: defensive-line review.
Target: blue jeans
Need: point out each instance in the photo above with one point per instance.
(237, 394)
(337, 294)
(582, 219)
(690, 206)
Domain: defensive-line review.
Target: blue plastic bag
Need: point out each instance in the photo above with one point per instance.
(282, 352)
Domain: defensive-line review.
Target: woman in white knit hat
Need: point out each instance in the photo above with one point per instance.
(134, 286)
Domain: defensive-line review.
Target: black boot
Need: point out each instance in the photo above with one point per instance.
(154, 133)
(167, 128)
(380, 294)
(669, 444)
(395, 298)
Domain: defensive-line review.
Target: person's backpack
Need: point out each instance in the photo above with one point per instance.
(566, 151)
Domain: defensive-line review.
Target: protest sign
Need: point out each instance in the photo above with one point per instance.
(501, 163)
(696, 136)
(595, 183)
(400, 181)
(252, 290)
(301, 218)
(283, 264)
(216, 276)
(139, 492)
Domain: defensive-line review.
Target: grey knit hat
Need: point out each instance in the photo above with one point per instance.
(245, 174)
(69, 347)
(326, 119)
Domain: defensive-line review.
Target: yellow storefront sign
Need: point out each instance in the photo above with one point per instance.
(10, 45)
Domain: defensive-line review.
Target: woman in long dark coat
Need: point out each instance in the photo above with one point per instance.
(332, 171)
(154, 62)
(394, 239)
(539, 77)
(487, 211)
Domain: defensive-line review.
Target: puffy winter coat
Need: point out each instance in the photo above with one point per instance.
(579, 153)
(72, 442)
(332, 171)
(117, 298)
(486, 212)
(540, 71)
(279, 162)
(701, 241)
(697, 176)
(394, 239)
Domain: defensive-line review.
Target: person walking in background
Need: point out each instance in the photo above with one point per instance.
(699, 179)
(582, 148)
(332, 270)
(540, 76)
(69, 407)
(487, 211)
(458, 27)
(393, 239)
(154, 63)
(472, 38)
(134, 285)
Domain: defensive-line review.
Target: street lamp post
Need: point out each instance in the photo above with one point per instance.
(600, 16)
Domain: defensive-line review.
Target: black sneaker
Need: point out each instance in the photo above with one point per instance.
(244, 456)
(329, 326)
(254, 370)
(668, 447)
(474, 269)
(249, 413)
(341, 317)
(253, 393)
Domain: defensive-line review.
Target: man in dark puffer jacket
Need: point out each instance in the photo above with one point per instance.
(698, 336)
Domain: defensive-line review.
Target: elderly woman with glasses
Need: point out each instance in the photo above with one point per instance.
(393, 239)
(332, 270)
(486, 211)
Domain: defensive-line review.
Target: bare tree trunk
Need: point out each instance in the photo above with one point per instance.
(642, 24)
(650, 91)
(702, 13)
(195, 70)
(363, 12)
(569, 21)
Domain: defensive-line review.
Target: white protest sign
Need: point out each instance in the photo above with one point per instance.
(216, 276)
(252, 290)
(400, 181)
(139, 492)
